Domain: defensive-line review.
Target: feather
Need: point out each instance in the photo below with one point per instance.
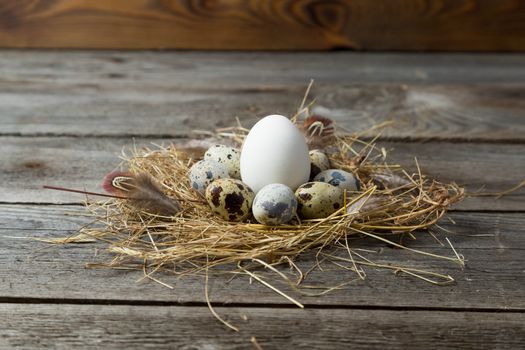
(142, 192)
(365, 204)
(390, 180)
(318, 131)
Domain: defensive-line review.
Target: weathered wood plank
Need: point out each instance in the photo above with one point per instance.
(468, 230)
(445, 112)
(227, 70)
(230, 70)
(141, 94)
(493, 278)
(475, 25)
(30, 163)
(458, 112)
(112, 326)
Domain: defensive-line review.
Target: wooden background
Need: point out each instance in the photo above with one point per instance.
(442, 25)
(66, 116)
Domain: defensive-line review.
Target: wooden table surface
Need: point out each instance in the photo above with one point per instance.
(65, 116)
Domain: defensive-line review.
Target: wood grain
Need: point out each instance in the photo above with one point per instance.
(251, 70)
(141, 94)
(492, 244)
(88, 326)
(26, 220)
(438, 112)
(65, 117)
(448, 25)
(423, 112)
(30, 163)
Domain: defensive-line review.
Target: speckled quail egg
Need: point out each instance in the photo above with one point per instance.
(204, 173)
(318, 200)
(274, 204)
(339, 178)
(230, 198)
(228, 157)
(318, 162)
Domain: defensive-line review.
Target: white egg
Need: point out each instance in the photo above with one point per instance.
(274, 151)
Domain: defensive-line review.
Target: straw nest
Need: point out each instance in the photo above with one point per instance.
(391, 201)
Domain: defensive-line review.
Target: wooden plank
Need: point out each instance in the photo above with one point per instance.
(437, 111)
(476, 25)
(232, 70)
(492, 280)
(478, 167)
(30, 163)
(108, 108)
(121, 326)
(468, 230)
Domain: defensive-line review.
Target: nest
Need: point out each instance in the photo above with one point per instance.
(390, 201)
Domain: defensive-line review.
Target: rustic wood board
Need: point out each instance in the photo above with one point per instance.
(31, 162)
(491, 243)
(252, 70)
(418, 112)
(171, 94)
(118, 326)
(60, 220)
(475, 25)
(67, 116)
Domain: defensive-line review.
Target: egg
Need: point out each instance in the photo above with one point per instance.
(274, 204)
(230, 199)
(318, 200)
(318, 162)
(228, 157)
(339, 178)
(274, 151)
(204, 172)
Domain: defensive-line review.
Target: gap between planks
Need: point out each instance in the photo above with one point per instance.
(67, 301)
(391, 139)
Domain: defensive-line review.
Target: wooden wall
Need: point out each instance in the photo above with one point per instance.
(443, 25)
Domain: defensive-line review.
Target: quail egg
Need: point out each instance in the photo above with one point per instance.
(274, 204)
(204, 172)
(318, 162)
(318, 200)
(339, 178)
(228, 157)
(231, 199)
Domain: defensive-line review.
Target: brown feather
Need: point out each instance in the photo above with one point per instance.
(318, 131)
(390, 180)
(142, 192)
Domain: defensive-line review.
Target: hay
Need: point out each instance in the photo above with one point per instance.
(390, 201)
(196, 242)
